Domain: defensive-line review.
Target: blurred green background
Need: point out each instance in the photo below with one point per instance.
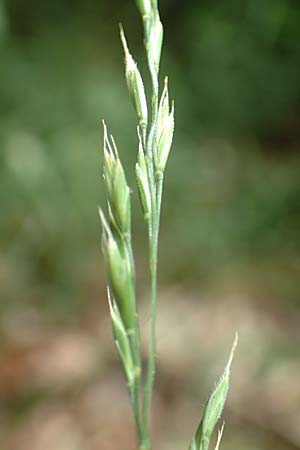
(230, 239)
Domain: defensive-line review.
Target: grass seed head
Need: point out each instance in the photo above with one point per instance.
(121, 339)
(165, 138)
(121, 278)
(154, 41)
(143, 182)
(121, 282)
(118, 193)
(163, 109)
(213, 408)
(135, 84)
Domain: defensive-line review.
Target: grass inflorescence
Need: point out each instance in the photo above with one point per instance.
(155, 135)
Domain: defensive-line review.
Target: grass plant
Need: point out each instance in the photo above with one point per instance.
(155, 134)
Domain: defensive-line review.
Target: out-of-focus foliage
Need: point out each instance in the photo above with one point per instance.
(235, 71)
(242, 64)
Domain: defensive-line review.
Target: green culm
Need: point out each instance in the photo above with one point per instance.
(155, 135)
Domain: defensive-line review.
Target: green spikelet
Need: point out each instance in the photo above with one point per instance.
(213, 408)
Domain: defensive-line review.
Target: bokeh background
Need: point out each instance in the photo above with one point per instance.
(230, 240)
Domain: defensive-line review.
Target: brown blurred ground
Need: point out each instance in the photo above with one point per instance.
(70, 394)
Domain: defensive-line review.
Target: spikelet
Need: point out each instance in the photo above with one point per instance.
(117, 190)
(121, 339)
(135, 84)
(120, 274)
(213, 409)
(165, 130)
(142, 181)
(154, 42)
